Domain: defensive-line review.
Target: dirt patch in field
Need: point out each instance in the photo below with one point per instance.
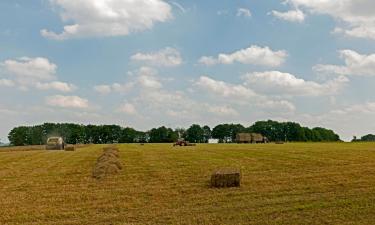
(108, 163)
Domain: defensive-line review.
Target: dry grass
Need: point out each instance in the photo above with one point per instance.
(281, 184)
(37, 148)
(23, 148)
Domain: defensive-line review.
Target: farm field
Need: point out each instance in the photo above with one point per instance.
(330, 183)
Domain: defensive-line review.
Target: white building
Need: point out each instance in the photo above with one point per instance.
(213, 141)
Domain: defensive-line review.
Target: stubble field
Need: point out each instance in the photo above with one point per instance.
(332, 183)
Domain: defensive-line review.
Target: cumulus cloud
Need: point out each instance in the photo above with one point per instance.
(254, 55)
(97, 18)
(37, 73)
(67, 101)
(30, 68)
(275, 82)
(241, 94)
(291, 15)
(222, 110)
(128, 108)
(103, 89)
(6, 83)
(224, 89)
(357, 16)
(115, 87)
(143, 78)
(355, 64)
(56, 85)
(168, 57)
(243, 12)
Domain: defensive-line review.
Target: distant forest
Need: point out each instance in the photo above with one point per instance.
(226, 133)
(366, 138)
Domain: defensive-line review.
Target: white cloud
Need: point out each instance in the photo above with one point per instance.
(208, 60)
(254, 55)
(67, 101)
(222, 110)
(275, 82)
(357, 16)
(30, 68)
(291, 15)
(149, 82)
(355, 64)
(239, 94)
(366, 108)
(6, 83)
(128, 108)
(103, 89)
(348, 120)
(147, 78)
(243, 12)
(39, 73)
(143, 78)
(56, 85)
(98, 18)
(168, 57)
(115, 87)
(224, 89)
(279, 105)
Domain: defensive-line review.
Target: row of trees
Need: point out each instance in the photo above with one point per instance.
(366, 138)
(102, 134)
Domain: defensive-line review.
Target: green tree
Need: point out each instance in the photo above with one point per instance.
(207, 133)
(369, 138)
(162, 135)
(195, 134)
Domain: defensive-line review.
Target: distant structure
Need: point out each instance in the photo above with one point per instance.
(213, 141)
(253, 138)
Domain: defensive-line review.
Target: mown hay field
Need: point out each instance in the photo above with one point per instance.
(161, 184)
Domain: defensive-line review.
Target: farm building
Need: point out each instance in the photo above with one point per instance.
(213, 141)
(250, 138)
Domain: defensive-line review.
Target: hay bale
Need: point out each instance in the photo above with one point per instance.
(106, 155)
(112, 161)
(70, 148)
(104, 169)
(108, 163)
(226, 177)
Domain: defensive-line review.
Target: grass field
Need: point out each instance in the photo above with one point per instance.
(159, 184)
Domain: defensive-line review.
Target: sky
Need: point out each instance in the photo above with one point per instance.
(147, 63)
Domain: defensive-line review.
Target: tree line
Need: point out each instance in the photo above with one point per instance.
(366, 138)
(225, 133)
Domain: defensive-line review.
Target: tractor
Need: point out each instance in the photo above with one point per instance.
(182, 142)
(55, 143)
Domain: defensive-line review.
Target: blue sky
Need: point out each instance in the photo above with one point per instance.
(152, 62)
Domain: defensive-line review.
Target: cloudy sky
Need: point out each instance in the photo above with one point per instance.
(145, 63)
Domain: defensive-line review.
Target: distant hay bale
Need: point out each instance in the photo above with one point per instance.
(70, 148)
(108, 163)
(226, 178)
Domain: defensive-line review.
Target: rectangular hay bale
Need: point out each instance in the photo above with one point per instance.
(70, 148)
(226, 178)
